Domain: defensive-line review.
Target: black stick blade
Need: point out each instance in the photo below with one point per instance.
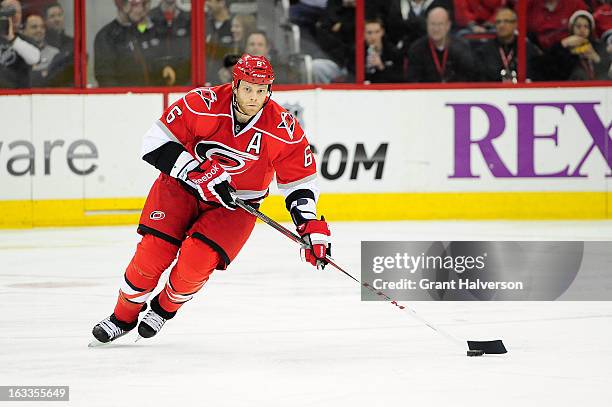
(495, 347)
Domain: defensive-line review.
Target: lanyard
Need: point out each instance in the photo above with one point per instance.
(506, 59)
(588, 67)
(434, 54)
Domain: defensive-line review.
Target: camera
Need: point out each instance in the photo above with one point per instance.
(509, 75)
(5, 14)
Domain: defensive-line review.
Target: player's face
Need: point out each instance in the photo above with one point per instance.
(251, 97)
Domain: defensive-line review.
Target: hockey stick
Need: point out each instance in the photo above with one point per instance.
(480, 347)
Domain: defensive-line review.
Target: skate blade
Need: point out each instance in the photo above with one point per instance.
(138, 337)
(96, 344)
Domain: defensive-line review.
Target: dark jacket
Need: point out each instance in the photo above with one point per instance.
(14, 71)
(403, 32)
(459, 64)
(61, 41)
(338, 46)
(219, 43)
(61, 72)
(490, 63)
(176, 35)
(126, 57)
(559, 64)
(392, 58)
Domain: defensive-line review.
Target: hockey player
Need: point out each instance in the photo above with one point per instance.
(212, 145)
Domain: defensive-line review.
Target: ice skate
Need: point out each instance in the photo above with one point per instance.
(153, 321)
(110, 329)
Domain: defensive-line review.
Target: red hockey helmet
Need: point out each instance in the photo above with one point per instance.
(253, 69)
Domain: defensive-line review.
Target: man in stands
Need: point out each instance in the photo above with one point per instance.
(498, 58)
(437, 57)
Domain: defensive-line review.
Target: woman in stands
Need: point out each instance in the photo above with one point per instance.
(579, 56)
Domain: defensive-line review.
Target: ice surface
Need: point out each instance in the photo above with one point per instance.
(271, 331)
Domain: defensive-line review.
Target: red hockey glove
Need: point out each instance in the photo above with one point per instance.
(316, 233)
(213, 183)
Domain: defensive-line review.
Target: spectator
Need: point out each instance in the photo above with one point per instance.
(305, 14)
(174, 27)
(603, 18)
(477, 15)
(17, 54)
(128, 50)
(497, 58)
(56, 30)
(578, 56)
(219, 39)
(336, 36)
(437, 57)
(225, 72)
(383, 61)
(56, 37)
(41, 72)
(405, 21)
(242, 26)
(547, 19)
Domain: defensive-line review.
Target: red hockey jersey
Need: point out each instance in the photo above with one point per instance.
(202, 122)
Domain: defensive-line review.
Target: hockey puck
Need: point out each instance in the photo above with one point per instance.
(476, 352)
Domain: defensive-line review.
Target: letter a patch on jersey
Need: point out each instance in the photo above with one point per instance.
(255, 144)
(287, 123)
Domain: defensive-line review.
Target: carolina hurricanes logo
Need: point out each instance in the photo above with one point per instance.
(233, 161)
(207, 95)
(287, 123)
(157, 215)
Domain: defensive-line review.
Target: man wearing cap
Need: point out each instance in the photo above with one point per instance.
(211, 146)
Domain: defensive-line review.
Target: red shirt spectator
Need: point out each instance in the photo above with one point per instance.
(603, 19)
(548, 19)
(479, 12)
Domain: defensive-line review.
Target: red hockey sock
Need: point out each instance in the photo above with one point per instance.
(153, 256)
(196, 262)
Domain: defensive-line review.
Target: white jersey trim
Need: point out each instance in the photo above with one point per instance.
(280, 138)
(250, 195)
(309, 183)
(200, 113)
(157, 135)
(248, 126)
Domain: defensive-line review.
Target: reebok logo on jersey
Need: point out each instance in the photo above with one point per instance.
(207, 175)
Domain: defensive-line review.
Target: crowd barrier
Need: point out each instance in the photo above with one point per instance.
(541, 153)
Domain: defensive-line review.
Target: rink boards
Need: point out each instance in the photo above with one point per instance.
(381, 155)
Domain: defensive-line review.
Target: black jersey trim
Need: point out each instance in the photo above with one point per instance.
(132, 286)
(215, 247)
(164, 157)
(146, 230)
